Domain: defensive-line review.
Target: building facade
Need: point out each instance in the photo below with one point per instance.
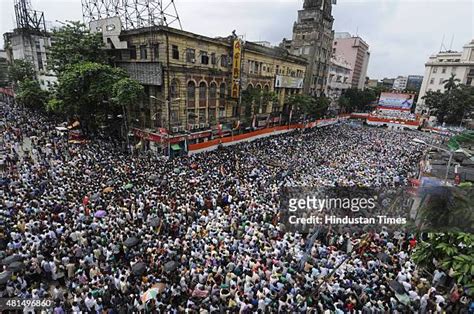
(3, 68)
(356, 51)
(440, 67)
(191, 83)
(31, 45)
(338, 80)
(312, 39)
(387, 83)
(414, 82)
(372, 83)
(400, 83)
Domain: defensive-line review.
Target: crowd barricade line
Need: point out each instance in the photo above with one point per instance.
(253, 134)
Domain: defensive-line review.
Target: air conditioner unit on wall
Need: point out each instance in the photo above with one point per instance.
(196, 126)
(174, 129)
(202, 125)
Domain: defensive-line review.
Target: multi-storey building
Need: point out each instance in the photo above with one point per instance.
(372, 83)
(414, 82)
(312, 38)
(441, 66)
(338, 80)
(400, 83)
(388, 83)
(31, 45)
(3, 68)
(356, 51)
(193, 82)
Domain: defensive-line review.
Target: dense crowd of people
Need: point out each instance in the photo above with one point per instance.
(394, 114)
(97, 230)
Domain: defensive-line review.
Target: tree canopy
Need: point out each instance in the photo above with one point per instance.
(358, 100)
(452, 252)
(126, 91)
(74, 43)
(30, 94)
(85, 88)
(452, 105)
(309, 106)
(254, 98)
(20, 70)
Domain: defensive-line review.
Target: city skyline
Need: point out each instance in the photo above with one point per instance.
(396, 48)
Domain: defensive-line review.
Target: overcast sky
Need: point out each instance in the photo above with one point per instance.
(402, 34)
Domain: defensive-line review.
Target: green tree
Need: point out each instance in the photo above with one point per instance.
(30, 94)
(20, 70)
(448, 251)
(301, 104)
(344, 104)
(85, 89)
(127, 92)
(320, 107)
(454, 105)
(248, 99)
(451, 83)
(74, 43)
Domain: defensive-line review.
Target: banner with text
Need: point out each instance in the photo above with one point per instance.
(237, 55)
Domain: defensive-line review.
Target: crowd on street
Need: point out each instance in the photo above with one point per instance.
(98, 230)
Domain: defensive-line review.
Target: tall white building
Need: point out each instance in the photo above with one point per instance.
(400, 83)
(440, 67)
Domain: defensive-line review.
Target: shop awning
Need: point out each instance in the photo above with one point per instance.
(175, 147)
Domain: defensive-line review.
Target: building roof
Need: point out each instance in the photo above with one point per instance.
(275, 52)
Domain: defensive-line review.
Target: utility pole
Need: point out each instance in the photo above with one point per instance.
(168, 97)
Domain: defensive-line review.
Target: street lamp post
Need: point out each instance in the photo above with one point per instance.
(419, 141)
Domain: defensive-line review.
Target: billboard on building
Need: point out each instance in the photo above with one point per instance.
(288, 81)
(396, 100)
(237, 55)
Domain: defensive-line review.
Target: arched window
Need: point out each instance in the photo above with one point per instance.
(191, 94)
(222, 95)
(249, 87)
(202, 94)
(212, 94)
(174, 89)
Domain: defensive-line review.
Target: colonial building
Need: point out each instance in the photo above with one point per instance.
(439, 68)
(312, 39)
(194, 83)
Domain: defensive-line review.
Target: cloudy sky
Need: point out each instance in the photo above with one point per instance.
(401, 33)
